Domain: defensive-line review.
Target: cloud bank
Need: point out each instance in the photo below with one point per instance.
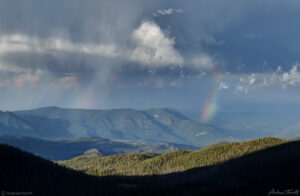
(75, 48)
(251, 82)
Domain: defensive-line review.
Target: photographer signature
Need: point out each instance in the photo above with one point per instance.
(285, 192)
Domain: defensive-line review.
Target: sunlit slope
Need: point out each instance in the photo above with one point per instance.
(149, 164)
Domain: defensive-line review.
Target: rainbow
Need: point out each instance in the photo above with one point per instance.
(85, 99)
(210, 108)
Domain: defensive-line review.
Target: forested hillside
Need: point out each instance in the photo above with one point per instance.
(153, 164)
(230, 169)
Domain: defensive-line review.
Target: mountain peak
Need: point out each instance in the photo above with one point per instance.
(50, 107)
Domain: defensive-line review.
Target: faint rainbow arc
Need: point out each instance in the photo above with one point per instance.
(211, 106)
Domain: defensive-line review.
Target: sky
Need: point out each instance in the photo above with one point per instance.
(205, 56)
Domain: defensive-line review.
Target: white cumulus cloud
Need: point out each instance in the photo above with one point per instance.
(168, 11)
(153, 47)
(278, 78)
(223, 85)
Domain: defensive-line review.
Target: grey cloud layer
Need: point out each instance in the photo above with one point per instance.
(74, 46)
(105, 28)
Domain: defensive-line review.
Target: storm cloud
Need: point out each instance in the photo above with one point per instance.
(94, 49)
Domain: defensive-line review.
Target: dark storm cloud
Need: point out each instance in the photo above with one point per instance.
(220, 27)
(80, 20)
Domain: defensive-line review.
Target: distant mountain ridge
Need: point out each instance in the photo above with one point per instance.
(148, 126)
(67, 149)
(11, 123)
(34, 126)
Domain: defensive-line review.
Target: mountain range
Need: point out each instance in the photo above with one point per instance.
(129, 125)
